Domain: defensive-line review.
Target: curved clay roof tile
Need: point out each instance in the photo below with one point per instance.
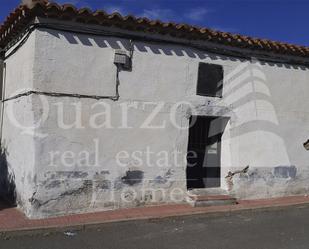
(84, 11)
(293, 48)
(143, 20)
(204, 31)
(53, 5)
(38, 9)
(115, 16)
(100, 13)
(69, 7)
(53, 10)
(100, 16)
(130, 18)
(85, 15)
(179, 26)
(154, 23)
(167, 25)
(283, 46)
(267, 45)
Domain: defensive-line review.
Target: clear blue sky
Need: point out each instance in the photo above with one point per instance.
(283, 20)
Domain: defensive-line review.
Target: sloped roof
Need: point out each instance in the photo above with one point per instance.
(23, 15)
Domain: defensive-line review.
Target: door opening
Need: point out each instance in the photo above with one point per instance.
(204, 152)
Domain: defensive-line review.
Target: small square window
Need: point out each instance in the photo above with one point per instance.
(210, 80)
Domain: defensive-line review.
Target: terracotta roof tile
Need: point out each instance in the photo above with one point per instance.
(22, 15)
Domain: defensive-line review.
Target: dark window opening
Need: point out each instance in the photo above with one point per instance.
(210, 80)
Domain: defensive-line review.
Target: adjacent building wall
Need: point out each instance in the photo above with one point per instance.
(74, 151)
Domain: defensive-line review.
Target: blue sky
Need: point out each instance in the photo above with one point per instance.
(283, 20)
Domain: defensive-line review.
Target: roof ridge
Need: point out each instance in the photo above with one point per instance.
(51, 9)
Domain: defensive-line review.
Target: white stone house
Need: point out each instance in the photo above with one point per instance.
(101, 111)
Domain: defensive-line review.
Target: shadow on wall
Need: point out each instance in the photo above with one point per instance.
(151, 47)
(121, 43)
(7, 183)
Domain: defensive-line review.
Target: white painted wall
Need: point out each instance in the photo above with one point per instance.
(266, 103)
(19, 143)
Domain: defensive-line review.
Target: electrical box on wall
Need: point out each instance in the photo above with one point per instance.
(122, 58)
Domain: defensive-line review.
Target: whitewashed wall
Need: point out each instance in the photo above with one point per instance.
(266, 104)
(18, 143)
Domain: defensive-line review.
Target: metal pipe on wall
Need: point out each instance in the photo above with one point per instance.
(1, 77)
(2, 86)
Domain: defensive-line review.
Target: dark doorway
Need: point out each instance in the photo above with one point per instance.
(204, 151)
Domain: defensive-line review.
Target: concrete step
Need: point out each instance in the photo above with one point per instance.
(210, 200)
(207, 191)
